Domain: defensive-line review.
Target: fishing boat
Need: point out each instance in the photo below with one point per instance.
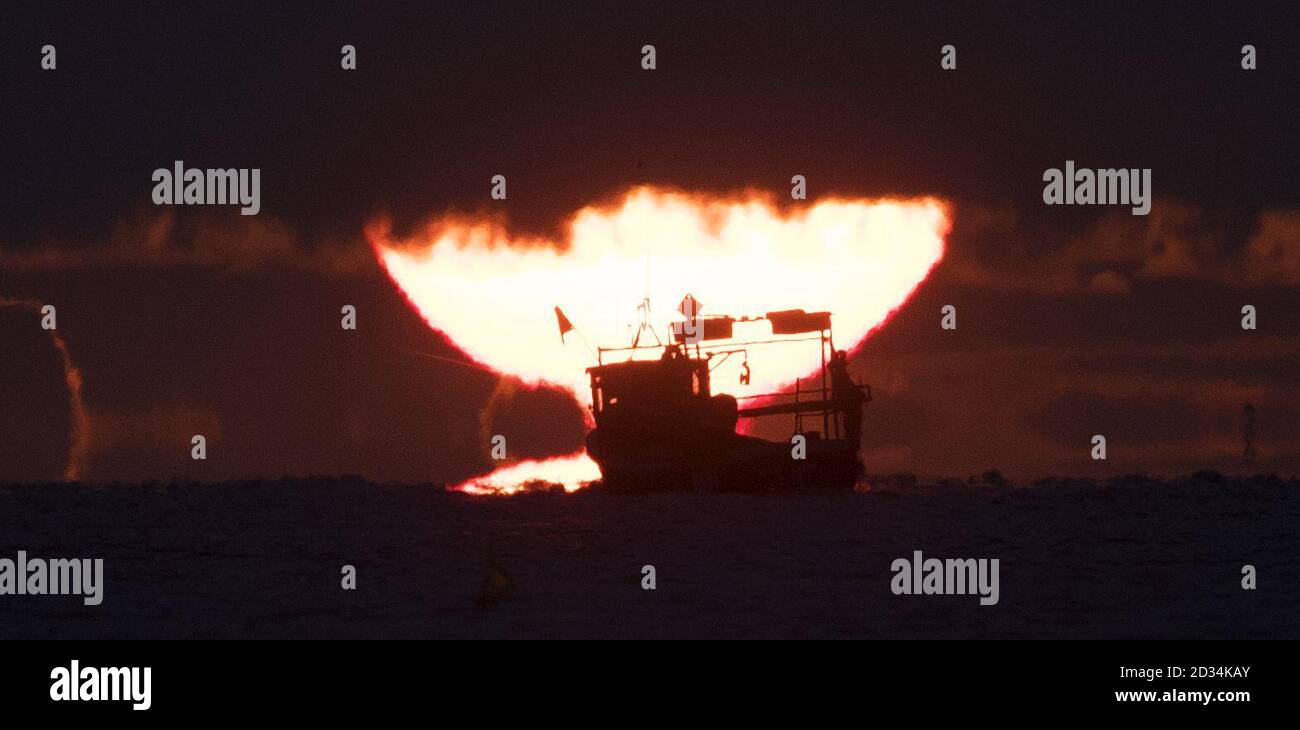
(659, 427)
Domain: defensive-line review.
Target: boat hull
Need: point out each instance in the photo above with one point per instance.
(724, 463)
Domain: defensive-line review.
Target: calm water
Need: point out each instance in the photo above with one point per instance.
(263, 559)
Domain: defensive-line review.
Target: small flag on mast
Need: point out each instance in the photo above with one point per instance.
(563, 321)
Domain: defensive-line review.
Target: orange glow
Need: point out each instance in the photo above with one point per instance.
(571, 472)
(79, 438)
(494, 296)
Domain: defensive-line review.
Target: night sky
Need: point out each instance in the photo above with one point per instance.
(1073, 320)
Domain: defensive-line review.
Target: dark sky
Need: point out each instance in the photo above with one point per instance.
(1073, 320)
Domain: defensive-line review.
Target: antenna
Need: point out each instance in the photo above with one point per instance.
(644, 309)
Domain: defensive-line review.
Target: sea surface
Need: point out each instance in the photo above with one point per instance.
(1129, 558)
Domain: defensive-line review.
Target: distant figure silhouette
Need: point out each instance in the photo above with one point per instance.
(846, 394)
(1248, 432)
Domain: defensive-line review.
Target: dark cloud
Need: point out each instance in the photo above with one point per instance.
(222, 240)
(996, 249)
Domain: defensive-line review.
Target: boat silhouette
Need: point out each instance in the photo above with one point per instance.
(659, 427)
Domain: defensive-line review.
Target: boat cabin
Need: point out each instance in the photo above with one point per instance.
(650, 390)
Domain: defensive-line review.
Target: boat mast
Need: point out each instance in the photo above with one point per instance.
(645, 326)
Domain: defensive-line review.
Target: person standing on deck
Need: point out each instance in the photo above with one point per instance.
(847, 396)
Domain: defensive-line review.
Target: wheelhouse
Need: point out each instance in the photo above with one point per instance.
(641, 389)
